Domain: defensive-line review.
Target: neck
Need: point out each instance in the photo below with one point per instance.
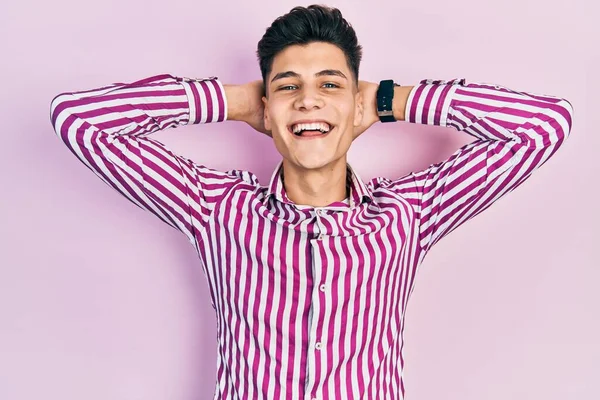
(316, 187)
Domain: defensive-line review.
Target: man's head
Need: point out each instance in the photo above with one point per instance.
(309, 60)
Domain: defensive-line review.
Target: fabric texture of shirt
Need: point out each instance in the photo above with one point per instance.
(309, 301)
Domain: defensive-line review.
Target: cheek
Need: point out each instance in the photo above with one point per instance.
(277, 117)
(283, 145)
(346, 110)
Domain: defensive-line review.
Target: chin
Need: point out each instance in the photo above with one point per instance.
(312, 162)
(311, 165)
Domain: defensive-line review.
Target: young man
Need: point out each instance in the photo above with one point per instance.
(310, 275)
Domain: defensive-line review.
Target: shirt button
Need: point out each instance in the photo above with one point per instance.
(318, 346)
(320, 237)
(322, 287)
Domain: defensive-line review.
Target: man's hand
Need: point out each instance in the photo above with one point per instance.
(256, 109)
(244, 103)
(369, 95)
(369, 103)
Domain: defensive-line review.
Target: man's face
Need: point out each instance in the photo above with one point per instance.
(312, 83)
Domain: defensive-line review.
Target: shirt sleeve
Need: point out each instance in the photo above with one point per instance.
(108, 130)
(516, 132)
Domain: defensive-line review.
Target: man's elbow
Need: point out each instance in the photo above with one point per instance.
(568, 116)
(56, 107)
(560, 120)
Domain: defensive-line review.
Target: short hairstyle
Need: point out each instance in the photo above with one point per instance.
(304, 25)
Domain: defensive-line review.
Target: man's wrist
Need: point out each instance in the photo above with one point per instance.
(399, 103)
(237, 102)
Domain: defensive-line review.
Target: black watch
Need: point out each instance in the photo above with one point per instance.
(385, 96)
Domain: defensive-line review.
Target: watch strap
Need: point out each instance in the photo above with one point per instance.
(385, 97)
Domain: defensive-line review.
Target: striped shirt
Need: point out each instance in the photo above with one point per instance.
(309, 301)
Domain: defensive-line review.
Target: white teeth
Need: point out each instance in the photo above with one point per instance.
(323, 127)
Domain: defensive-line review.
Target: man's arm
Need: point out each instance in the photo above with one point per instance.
(516, 132)
(401, 94)
(108, 130)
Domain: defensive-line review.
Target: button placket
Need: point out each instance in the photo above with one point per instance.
(320, 213)
(319, 299)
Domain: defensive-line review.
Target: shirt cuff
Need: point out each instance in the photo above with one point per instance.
(429, 101)
(206, 99)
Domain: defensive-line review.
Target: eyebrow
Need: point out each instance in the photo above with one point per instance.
(325, 72)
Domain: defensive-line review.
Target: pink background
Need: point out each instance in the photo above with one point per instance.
(100, 300)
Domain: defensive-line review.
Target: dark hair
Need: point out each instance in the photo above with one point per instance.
(304, 25)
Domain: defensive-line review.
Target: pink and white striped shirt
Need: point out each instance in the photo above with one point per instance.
(309, 301)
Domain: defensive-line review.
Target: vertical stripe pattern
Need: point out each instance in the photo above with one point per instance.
(309, 301)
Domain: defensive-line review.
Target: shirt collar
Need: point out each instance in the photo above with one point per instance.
(359, 193)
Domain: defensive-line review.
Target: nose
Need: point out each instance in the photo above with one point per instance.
(308, 99)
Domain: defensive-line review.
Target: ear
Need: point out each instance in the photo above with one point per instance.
(359, 111)
(266, 120)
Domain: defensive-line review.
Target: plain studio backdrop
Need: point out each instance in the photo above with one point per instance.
(101, 300)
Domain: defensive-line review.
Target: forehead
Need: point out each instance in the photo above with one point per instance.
(307, 59)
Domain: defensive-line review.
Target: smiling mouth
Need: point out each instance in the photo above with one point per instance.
(310, 134)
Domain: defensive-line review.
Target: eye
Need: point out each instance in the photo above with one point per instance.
(332, 86)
